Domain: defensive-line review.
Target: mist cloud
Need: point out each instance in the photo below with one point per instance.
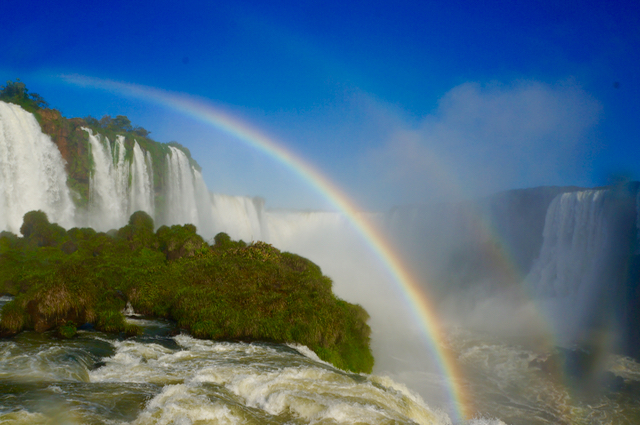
(486, 138)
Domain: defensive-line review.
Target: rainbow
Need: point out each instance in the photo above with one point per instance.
(413, 293)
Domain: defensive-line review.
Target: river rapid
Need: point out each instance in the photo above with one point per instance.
(166, 378)
(96, 378)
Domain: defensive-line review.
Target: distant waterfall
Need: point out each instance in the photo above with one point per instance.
(579, 276)
(240, 217)
(575, 241)
(32, 174)
(121, 182)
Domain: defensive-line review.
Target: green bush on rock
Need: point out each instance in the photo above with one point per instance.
(228, 291)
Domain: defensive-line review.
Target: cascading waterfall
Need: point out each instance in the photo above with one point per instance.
(240, 217)
(122, 183)
(570, 277)
(118, 186)
(181, 205)
(108, 183)
(141, 194)
(32, 174)
(206, 222)
(575, 238)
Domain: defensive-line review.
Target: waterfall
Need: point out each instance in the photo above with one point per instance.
(118, 186)
(108, 185)
(32, 174)
(240, 217)
(141, 195)
(32, 177)
(579, 276)
(181, 205)
(575, 240)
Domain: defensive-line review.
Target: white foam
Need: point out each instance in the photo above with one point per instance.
(182, 404)
(204, 380)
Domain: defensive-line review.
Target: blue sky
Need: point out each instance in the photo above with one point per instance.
(397, 102)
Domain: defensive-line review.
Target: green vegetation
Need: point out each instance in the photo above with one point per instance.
(16, 92)
(226, 291)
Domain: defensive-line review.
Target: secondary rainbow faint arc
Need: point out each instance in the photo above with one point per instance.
(414, 294)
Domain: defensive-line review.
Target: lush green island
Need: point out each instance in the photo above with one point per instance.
(229, 290)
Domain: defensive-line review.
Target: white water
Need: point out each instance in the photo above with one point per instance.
(118, 187)
(181, 206)
(568, 275)
(108, 183)
(96, 378)
(155, 379)
(32, 174)
(141, 194)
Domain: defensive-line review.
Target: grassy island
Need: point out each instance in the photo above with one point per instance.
(226, 290)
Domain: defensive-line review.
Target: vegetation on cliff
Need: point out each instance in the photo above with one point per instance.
(17, 92)
(229, 290)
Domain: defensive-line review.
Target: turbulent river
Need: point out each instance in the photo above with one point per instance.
(97, 378)
(164, 378)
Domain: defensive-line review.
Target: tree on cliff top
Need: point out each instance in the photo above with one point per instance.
(17, 92)
(118, 124)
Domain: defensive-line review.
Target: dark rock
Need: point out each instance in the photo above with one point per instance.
(97, 365)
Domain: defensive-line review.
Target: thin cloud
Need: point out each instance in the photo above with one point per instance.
(485, 138)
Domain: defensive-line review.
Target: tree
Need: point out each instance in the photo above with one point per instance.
(37, 229)
(105, 121)
(142, 132)
(91, 121)
(122, 123)
(139, 231)
(38, 100)
(12, 89)
(17, 92)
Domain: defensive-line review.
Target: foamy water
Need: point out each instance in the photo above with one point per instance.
(97, 378)
(156, 379)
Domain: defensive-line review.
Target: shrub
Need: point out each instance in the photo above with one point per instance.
(37, 229)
